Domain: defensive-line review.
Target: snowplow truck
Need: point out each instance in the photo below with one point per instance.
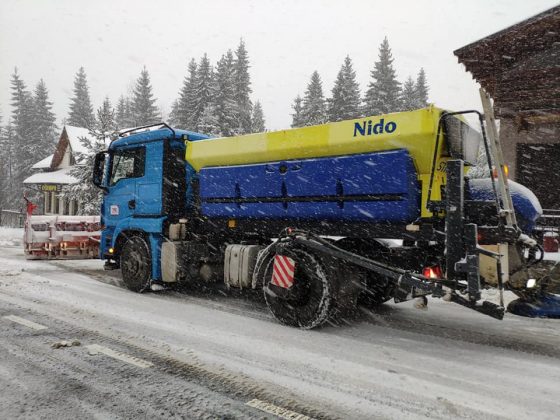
(320, 218)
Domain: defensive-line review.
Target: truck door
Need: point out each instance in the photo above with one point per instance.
(128, 166)
(148, 201)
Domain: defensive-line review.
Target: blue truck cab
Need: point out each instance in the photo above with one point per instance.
(141, 178)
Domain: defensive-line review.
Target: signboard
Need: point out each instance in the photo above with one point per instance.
(50, 187)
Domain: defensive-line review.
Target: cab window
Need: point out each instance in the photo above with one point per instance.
(127, 163)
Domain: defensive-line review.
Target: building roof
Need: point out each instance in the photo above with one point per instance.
(519, 66)
(61, 176)
(43, 164)
(70, 137)
(74, 136)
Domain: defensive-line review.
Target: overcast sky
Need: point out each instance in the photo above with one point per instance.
(287, 40)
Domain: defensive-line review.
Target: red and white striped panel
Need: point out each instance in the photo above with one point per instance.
(283, 271)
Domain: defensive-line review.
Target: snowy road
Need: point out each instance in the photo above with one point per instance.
(208, 356)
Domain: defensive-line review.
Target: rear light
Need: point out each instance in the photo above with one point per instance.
(495, 172)
(433, 272)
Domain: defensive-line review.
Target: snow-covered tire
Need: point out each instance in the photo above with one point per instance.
(136, 264)
(307, 304)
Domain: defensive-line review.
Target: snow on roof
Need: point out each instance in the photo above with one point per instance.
(43, 164)
(61, 176)
(74, 136)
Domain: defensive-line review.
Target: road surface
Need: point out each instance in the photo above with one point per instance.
(206, 355)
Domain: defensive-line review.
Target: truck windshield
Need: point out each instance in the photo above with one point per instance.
(127, 163)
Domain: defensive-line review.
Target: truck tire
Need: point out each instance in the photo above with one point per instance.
(136, 264)
(307, 304)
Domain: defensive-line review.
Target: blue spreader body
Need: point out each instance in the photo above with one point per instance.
(373, 187)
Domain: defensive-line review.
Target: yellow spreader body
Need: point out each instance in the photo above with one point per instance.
(415, 131)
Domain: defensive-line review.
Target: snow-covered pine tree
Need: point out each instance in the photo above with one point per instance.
(172, 120)
(297, 116)
(182, 115)
(8, 200)
(224, 102)
(25, 147)
(208, 123)
(242, 83)
(345, 101)
(257, 119)
(124, 117)
(143, 102)
(81, 110)
(106, 117)
(314, 108)
(83, 191)
(203, 93)
(44, 118)
(409, 99)
(383, 93)
(421, 89)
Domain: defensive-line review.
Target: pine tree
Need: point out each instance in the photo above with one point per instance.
(182, 114)
(208, 121)
(9, 191)
(143, 103)
(242, 83)
(124, 117)
(81, 110)
(257, 119)
(203, 92)
(224, 101)
(345, 101)
(106, 121)
(174, 115)
(421, 89)
(409, 99)
(25, 151)
(83, 191)
(314, 109)
(297, 116)
(383, 94)
(44, 118)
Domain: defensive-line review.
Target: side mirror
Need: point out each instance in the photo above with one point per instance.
(98, 170)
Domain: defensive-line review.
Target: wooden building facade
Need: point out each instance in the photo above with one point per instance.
(520, 68)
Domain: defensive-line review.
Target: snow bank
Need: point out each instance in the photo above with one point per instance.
(11, 236)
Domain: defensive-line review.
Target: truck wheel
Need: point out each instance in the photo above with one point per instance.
(308, 302)
(136, 264)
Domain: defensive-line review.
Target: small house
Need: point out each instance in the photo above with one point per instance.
(54, 172)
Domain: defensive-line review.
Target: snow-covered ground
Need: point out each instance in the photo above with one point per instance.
(10, 236)
(396, 362)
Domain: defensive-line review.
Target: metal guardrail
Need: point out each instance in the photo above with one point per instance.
(11, 218)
